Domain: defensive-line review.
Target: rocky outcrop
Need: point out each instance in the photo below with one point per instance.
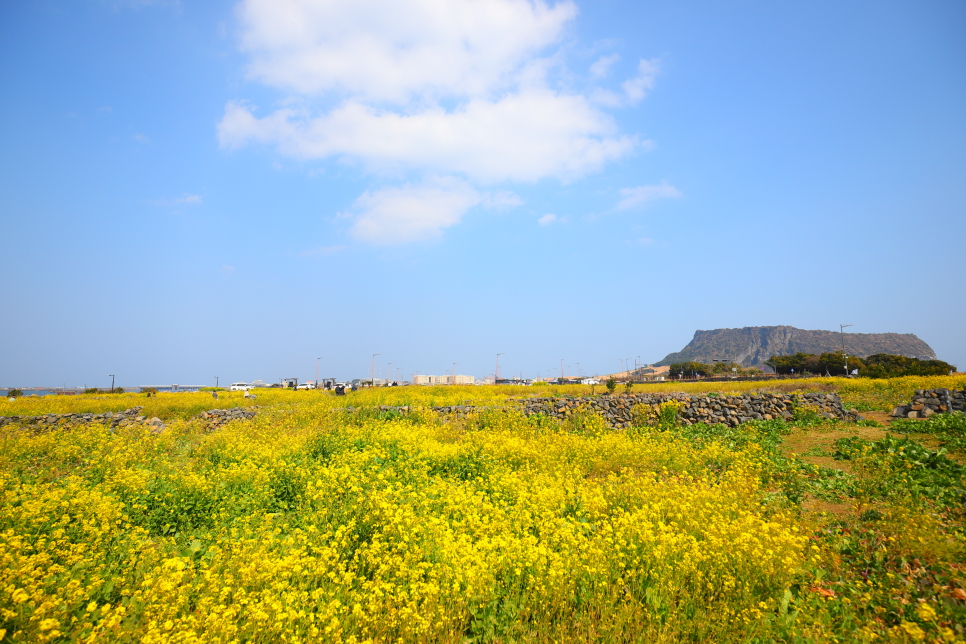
(927, 402)
(751, 346)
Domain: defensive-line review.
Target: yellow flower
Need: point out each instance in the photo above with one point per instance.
(926, 612)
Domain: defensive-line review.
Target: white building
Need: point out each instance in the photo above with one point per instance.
(448, 379)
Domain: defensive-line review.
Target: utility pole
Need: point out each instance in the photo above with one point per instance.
(216, 382)
(317, 372)
(372, 378)
(496, 374)
(561, 371)
(846, 357)
(454, 372)
(112, 382)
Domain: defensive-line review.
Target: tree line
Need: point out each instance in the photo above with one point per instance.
(834, 363)
(879, 365)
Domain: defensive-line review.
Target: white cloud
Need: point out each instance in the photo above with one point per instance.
(140, 138)
(106, 109)
(400, 50)
(413, 212)
(635, 88)
(501, 200)
(227, 270)
(523, 137)
(192, 199)
(600, 68)
(453, 88)
(642, 195)
(547, 219)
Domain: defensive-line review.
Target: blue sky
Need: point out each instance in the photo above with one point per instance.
(233, 189)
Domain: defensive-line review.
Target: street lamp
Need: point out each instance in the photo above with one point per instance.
(372, 378)
(317, 372)
(845, 357)
(454, 372)
(578, 371)
(496, 374)
(216, 382)
(388, 373)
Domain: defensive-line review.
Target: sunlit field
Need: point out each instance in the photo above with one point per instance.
(327, 518)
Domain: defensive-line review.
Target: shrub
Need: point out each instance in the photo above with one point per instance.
(15, 393)
(611, 385)
(149, 391)
(92, 390)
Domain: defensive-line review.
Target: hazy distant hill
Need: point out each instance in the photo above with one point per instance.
(752, 345)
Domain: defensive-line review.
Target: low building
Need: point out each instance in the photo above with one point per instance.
(448, 379)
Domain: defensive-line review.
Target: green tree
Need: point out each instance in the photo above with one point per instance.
(886, 365)
(611, 385)
(15, 393)
(834, 363)
(689, 369)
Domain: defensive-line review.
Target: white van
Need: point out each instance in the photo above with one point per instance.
(240, 386)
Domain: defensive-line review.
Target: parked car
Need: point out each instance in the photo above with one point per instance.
(240, 386)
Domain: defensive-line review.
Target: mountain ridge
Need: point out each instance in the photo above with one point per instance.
(752, 345)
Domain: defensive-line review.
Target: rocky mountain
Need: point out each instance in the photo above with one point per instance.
(752, 345)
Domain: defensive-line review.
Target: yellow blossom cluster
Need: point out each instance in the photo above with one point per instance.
(330, 518)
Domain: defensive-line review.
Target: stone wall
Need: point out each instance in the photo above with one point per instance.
(926, 402)
(618, 410)
(47, 422)
(213, 419)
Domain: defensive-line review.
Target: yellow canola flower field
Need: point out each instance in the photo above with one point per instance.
(311, 522)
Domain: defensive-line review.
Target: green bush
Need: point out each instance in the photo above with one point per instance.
(15, 393)
(92, 390)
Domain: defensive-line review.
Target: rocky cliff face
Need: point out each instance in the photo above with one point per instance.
(752, 345)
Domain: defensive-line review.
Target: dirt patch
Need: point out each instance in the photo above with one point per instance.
(815, 445)
(813, 505)
(879, 416)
